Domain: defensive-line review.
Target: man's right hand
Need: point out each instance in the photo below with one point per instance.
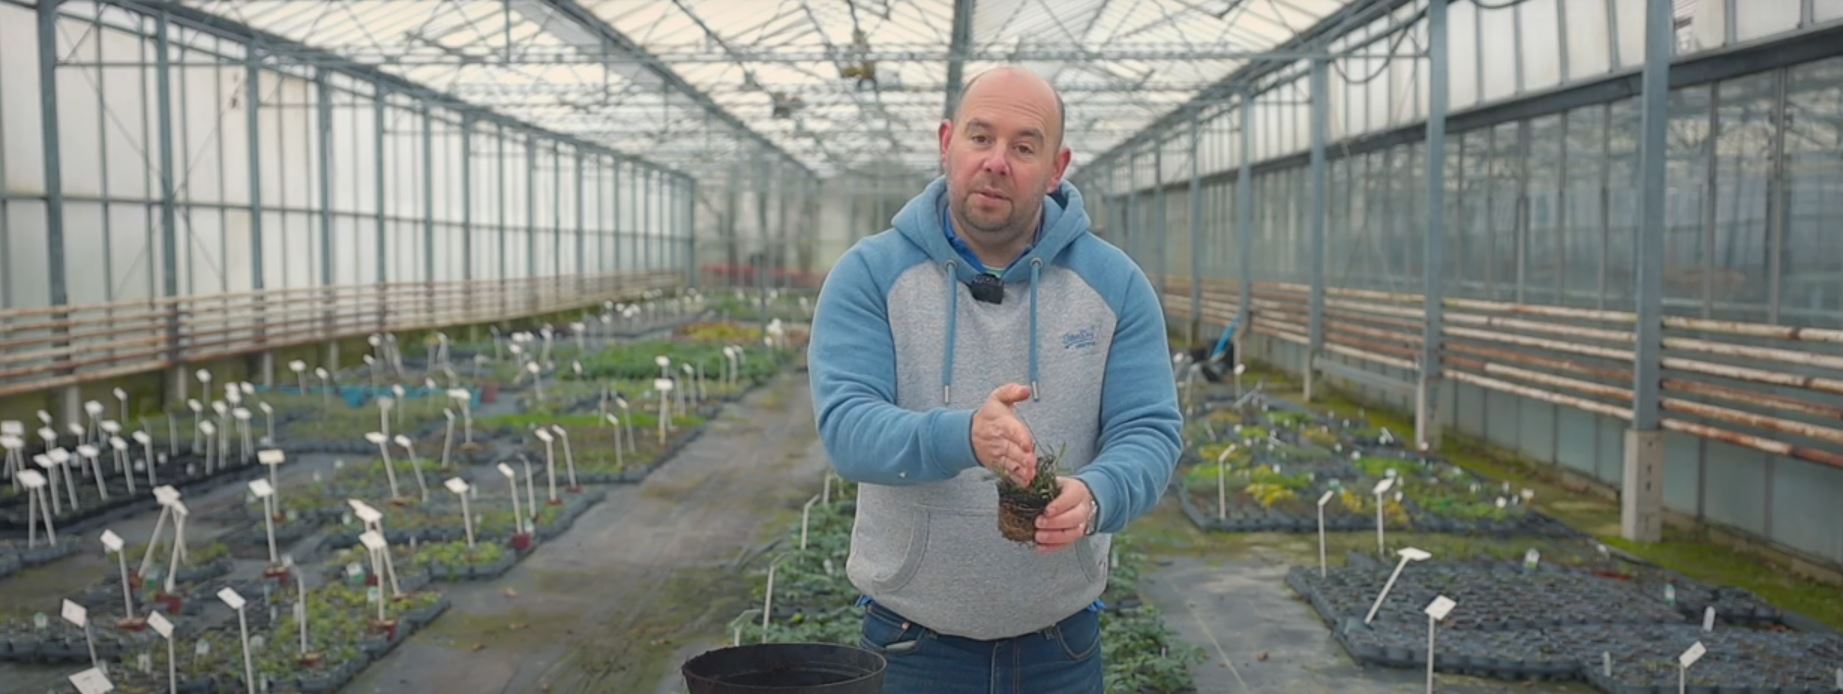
(1001, 442)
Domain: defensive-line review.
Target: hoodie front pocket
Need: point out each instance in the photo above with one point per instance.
(900, 564)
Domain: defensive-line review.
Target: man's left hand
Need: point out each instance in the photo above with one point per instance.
(1068, 517)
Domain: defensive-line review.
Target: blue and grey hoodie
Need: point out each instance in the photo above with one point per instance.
(901, 357)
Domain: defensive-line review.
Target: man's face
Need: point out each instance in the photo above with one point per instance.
(1002, 155)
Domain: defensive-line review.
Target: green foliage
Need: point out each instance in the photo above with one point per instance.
(1290, 420)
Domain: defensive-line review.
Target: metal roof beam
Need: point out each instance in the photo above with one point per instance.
(631, 49)
(957, 54)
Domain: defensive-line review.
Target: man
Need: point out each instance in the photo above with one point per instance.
(987, 326)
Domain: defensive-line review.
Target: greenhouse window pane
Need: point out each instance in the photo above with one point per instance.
(1462, 55)
(1586, 157)
(1686, 181)
(1541, 42)
(1814, 169)
(1622, 202)
(1543, 272)
(1744, 160)
(1586, 34)
(1500, 62)
(1766, 17)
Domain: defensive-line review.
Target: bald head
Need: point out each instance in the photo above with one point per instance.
(1002, 153)
(1012, 82)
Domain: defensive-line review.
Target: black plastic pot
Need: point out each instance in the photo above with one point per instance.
(803, 668)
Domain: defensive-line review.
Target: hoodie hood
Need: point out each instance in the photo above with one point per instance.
(919, 221)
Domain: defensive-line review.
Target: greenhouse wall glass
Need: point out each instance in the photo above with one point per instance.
(1542, 192)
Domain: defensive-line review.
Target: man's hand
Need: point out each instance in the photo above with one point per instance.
(1001, 442)
(1068, 517)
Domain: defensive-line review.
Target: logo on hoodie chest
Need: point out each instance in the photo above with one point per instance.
(1082, 339)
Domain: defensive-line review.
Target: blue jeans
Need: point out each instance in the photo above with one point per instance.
(1064, 658)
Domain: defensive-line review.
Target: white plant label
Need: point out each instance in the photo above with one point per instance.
(91, 681)
(1440, 607)
(1606, 663)
(271, 457)
(112, 541)
(663, 385)
(12, 428)
(161, 626)
(1326, 498)
(1501, 503)
(202, 649)
(1692, 655)
(231, 598)
(1708, 619)
(75, 613)
(1531, 558)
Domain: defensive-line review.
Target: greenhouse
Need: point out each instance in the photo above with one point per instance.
(849, 346)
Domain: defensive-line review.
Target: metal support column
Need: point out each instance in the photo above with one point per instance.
(1244, 217)
(1433, 265)
(646, 219)
(1196, 229)
(1316, 330)
(531, 217)
(581, 230)
(169, 217)
(428, 213)
(467, 204)
(323, 103)
(70, 400)
(691, 232)
(252, 120)
(1130, 230)
(382, 242)
(1642, 497)
(1161, 214)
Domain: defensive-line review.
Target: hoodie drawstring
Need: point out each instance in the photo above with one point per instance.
(1036, 266)
(953, 314)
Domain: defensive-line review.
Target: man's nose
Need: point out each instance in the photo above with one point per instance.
(996, 163)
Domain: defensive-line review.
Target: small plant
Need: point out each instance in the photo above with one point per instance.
(1268, 495)
(1019, 506)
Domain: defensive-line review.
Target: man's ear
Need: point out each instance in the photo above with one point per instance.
(946, 136)
(1063, 157)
